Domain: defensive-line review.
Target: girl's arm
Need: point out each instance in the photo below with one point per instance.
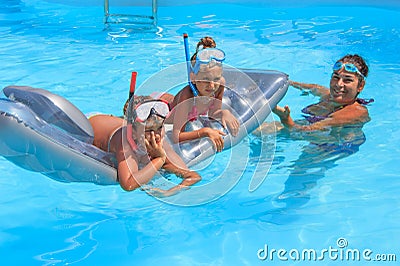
(205, 132)
(174, 164)
(182, 110)
(227, 119)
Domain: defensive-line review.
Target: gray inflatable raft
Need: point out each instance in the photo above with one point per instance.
(45, 133)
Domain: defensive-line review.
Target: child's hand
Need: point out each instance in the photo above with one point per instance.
(154, 146)
(230, 121)
(215, 136)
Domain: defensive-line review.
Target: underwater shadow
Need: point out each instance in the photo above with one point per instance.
(321, 154)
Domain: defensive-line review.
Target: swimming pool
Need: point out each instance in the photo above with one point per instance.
(311, 199)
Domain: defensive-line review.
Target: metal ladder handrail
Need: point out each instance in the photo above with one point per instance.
(153, 17)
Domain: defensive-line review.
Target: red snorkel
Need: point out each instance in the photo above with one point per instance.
(133, 85)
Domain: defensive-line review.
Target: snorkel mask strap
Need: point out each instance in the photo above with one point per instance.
(188, 64)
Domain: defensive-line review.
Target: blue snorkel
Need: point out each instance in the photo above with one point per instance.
(188, 64)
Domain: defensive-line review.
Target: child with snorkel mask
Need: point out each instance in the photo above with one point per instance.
(139, 147)
(203, 96)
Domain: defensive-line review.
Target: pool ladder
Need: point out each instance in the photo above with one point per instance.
(144, 22)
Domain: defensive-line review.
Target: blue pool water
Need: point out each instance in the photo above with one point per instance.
(315, 196)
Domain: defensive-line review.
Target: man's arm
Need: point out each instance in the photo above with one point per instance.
(314, 89)
(348, 115)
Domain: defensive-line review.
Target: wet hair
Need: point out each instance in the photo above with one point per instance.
(205, 42)
(125, 107)
(356, 60)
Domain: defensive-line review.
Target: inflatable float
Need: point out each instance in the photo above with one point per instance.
(45, 133)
